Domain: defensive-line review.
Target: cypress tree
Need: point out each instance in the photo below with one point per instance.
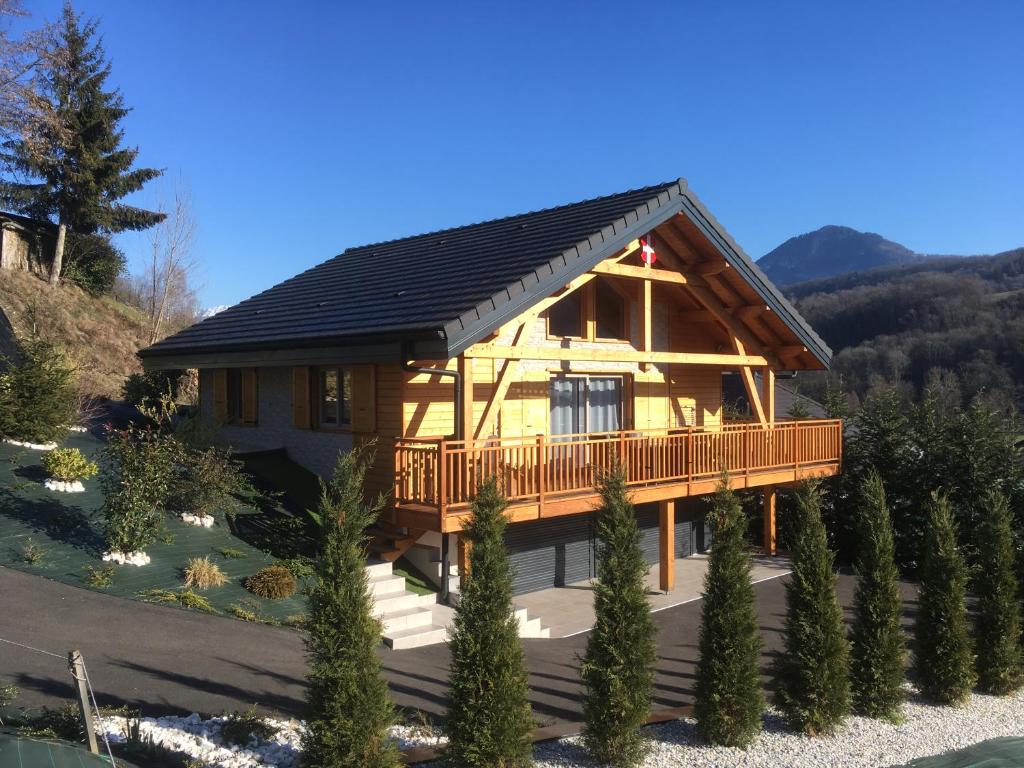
(729, 700)
(489, 723)
(618, 668)
(877, 639)
(943, 659)
(812, 673)
(69, 158)
(997, 629)
(350, 713)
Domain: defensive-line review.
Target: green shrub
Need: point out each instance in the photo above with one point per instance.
(136, 471)
(273, 582)
(99, 577)
(32, 553)
(729, 701)
(943, 657)
(37, 396)
(208, 481)
(877, 642)
(812, 672)
(186, 598)
(997, 629)
(243, 728)
(618, 668)
(488, 721)
(68, 464)
(230, 554)
(350, 712)
(146, 389)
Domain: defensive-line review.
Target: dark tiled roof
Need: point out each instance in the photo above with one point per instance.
(455, 285)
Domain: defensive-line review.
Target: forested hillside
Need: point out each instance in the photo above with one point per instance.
(957, 324)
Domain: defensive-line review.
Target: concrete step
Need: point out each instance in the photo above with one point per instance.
(416, 637)
(388, 585)
(530, 628)
(396, 601)
(376, 569)
(409, 618)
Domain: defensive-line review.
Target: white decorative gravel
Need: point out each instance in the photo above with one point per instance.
(131, 558)
(204, 521)
(861, 743)
(33, 446)
(64, 486)
(201, 739)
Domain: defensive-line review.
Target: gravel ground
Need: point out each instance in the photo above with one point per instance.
(862, 743)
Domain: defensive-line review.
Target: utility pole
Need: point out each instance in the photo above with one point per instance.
(77, 666)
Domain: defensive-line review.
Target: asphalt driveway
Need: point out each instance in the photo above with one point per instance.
(167, 660)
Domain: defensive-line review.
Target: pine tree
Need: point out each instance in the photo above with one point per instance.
(37, 397)
(618, 668)
(812, 673)
(943, 659)
(998, 625)
(729, 700)
(69, 163)
(350, 713)
(489, 723)
(878, 645)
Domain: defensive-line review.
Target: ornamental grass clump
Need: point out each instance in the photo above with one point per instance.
(878, 645)
(618, 668)
(997, 628)
(68, 464)
(729, 700)
(350, 712)
(273, 582)
(201, 573)
(489, 721)
(943, 656)
(812, 672)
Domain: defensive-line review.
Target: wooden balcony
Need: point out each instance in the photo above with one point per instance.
(545, 476)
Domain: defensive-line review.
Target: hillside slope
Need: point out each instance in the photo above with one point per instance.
(99, 334)
(953, 323)
(829, 251)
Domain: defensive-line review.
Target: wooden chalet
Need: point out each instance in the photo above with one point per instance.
(542, 348)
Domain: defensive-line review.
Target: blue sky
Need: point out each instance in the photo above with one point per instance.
(305, 128)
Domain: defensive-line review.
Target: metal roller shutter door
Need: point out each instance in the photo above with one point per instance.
(550, 553)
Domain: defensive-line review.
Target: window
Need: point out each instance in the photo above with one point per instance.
(335, 397)
(565, 318)
(234, 395)
(239, 396)
(610, 311)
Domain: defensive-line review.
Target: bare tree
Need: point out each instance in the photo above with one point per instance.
(172, 264)
(18, 59)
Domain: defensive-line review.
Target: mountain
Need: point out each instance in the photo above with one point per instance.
(830, 251)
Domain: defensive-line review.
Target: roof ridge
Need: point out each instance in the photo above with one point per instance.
(661, 187)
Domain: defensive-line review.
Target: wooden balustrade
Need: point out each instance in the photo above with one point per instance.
(443, 474)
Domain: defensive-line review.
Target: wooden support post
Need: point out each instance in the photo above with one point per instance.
(768, 393)
(769, 520)
(466, 406)
(77, 666)
(647, 317)
(464, 548)
(667, 544)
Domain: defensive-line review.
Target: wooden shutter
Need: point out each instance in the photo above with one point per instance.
(364, 399)
(220, 395)
(300, 397)
(249, 397)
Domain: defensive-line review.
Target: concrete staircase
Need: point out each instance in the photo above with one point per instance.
(411, 621)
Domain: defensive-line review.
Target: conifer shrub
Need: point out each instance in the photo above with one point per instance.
(37, 396)
(943, 656)
(997, 628)
(273, 582)
(878, 644)
(349, 712)
(489, 723)
(812, 672)
(68, 464)
(729, 700)
(618, 668)
(208, 481)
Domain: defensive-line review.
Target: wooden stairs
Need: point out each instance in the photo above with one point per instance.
(388, 542)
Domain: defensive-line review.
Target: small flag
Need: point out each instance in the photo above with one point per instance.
(647, 254)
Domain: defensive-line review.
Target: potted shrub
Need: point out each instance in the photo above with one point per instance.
(67, 468)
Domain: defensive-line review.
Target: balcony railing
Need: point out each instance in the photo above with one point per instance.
(443, 475)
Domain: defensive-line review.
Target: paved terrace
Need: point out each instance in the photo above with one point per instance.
(167, 660)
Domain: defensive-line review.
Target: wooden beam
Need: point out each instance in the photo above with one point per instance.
(751, 312)
(641, 273)
(633, 246)
(752, 394)
(466, 406)
(667, 544)
(509, 368)
(770, 539)
(646, 317)
(694, 316)
(768, 393)
(576, 354)
(710, 268)
(790, 351)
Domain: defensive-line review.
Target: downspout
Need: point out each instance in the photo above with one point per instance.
(457, 380)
